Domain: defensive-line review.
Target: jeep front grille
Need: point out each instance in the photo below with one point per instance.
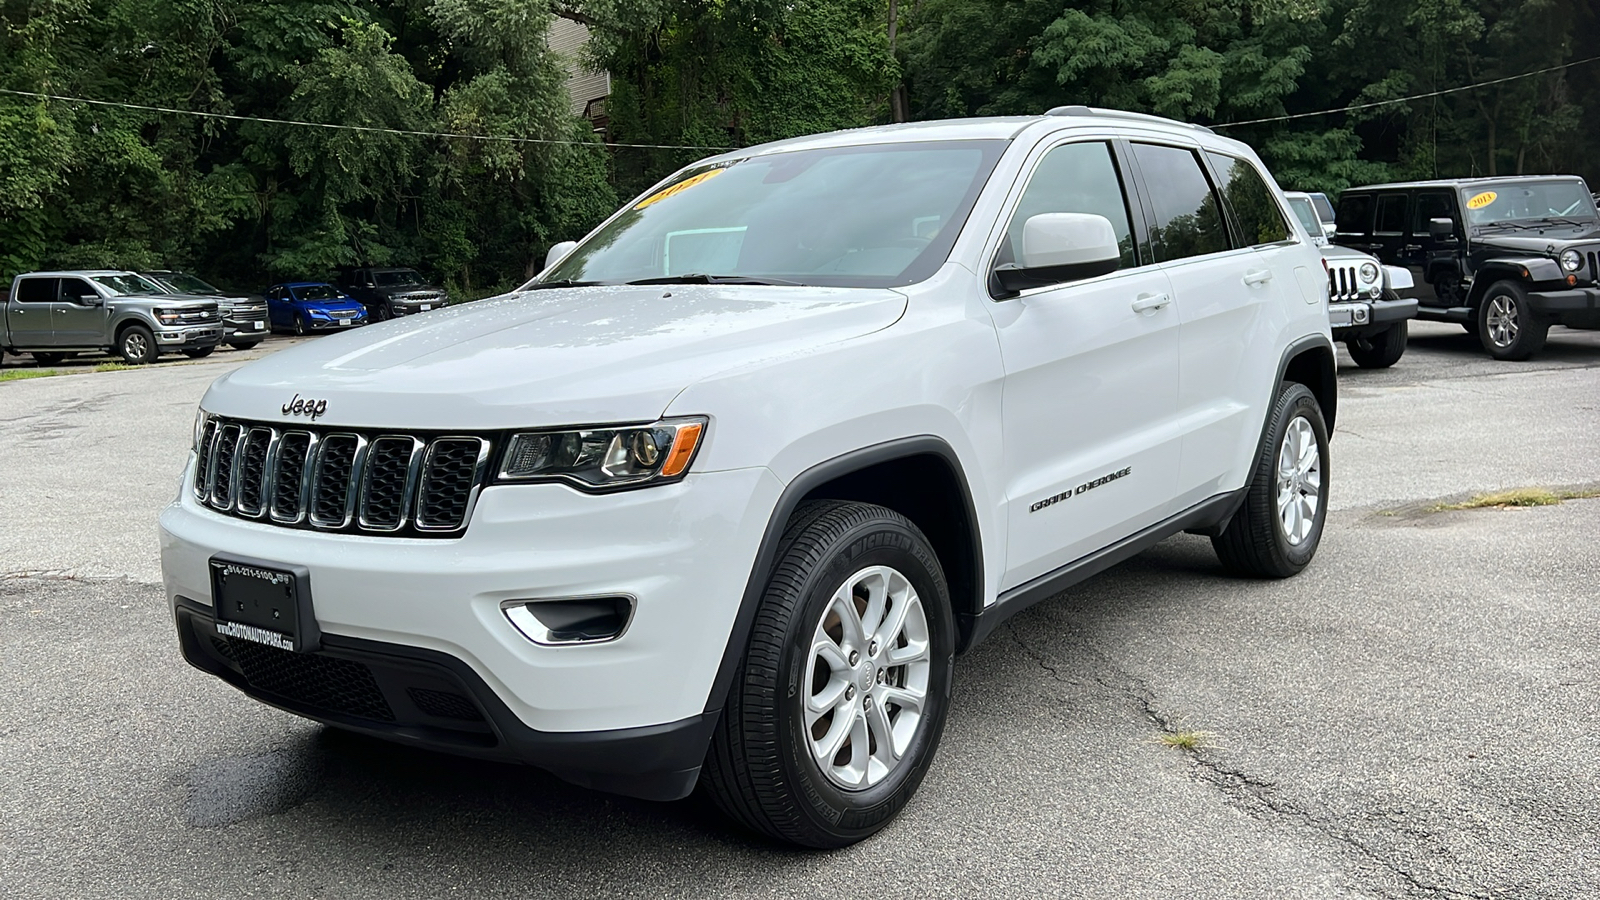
(341, 479)
(1342, 284)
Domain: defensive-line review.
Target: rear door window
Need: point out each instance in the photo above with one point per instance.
(37, 290)
(1259, 217)
(1188, 215)
(1391, 215)
(1355, 214)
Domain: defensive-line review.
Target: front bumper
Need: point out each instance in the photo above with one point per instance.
(193, 337)
(1369, 315)
(246, 326)
(1584, 300)
(433, 608)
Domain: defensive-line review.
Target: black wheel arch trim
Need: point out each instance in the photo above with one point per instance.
(796, 491)
(1330, 403)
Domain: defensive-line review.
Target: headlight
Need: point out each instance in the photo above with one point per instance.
(605, 458)
(167, 316)
(1571, 260)
(1368, 273)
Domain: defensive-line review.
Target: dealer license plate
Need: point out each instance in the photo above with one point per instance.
(426, 307)
(344, 321)
(260, 326)
(257, 603)
(1339, 317)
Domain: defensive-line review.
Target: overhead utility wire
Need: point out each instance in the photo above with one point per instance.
(1454, 90)
(371, 129)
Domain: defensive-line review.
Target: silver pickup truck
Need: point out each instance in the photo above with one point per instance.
(52, 315)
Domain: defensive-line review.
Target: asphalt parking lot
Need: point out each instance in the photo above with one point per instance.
(1411, 717)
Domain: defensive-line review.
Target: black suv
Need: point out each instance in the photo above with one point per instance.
(1504, 257)
(391, 292)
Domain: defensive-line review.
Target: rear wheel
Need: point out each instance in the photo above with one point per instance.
(840, 700)
(137, 345)
(1507, 325)
(1277, 530)
(1381, 350)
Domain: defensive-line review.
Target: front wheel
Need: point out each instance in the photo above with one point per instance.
(1276, 532)
(1507, 325)
(840, 700)
(1381, 350)
(137, 345)
(299, 324)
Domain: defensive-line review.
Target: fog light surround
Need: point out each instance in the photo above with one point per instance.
(569, 621)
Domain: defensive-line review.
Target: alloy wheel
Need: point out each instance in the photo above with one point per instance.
(1502, 320)
(135, 346)
(1299, 481)
(867, 678)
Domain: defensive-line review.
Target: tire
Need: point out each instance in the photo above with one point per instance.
(198, 352)
(380, 313)
(244, 345)
(1507, 326)
(48, 359)
(137, 345)
(299, 324)
(1381, 350)
(763, 767)
(1257, 543)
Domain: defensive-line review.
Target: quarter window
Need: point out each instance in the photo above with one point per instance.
(1260, 218)
(1391, 215)
(1074, 178)
(1355, 214)
(1188, 218)
(37, 290)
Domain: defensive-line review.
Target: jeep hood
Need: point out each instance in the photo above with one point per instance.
(1538, 243)
(563, 356)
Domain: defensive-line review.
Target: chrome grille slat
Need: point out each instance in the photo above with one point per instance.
(341, 479)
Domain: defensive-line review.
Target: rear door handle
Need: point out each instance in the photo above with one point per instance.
(1258, 276)
(1147, 304)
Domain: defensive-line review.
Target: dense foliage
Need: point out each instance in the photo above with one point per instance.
(243, 203)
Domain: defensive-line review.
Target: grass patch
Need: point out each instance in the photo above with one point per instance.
(19, 374)
(113, 367)
(1520, 497)
(1185, 740)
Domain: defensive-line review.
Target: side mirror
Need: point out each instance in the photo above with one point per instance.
(558, 253)
(1440, 228)
(90, 300)
(1061, 247)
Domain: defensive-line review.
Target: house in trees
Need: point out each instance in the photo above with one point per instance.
(587, 87)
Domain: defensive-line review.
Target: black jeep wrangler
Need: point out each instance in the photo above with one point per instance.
(391, 292)
(1504, 257)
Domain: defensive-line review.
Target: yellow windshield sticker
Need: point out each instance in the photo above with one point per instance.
(1482, 200)
(675, 189)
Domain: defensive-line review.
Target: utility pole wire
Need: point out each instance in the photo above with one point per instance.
(370, 129)
(1376, 103)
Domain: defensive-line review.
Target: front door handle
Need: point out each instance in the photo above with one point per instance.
(1258, 276)
(1147, 304)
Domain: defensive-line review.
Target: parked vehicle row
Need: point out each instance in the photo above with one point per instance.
(141, 315)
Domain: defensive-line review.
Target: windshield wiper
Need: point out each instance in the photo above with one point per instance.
(1568, 220)
(697, 278)
(564, 283)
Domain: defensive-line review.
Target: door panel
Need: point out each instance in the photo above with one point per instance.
(1431, 259)
(28, 313)
(76, 324)
(1091, 394)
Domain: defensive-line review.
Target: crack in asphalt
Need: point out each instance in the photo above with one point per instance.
(1255, 795)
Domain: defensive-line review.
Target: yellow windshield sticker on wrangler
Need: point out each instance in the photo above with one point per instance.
(675, 189)
(1482, 200)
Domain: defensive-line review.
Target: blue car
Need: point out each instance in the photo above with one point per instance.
(307, 306)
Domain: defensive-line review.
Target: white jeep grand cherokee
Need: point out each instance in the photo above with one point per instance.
(722, 493)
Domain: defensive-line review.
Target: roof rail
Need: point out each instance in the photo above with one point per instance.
(1079, 110)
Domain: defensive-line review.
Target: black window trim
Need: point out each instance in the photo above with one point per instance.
(1236, 233)
(1205, 170)
(1132, 197)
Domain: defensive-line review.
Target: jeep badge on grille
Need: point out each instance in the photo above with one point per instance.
(305, 407)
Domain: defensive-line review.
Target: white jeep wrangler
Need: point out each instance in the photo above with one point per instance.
(721, 494)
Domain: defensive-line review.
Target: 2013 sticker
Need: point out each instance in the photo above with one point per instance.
(1482, 200)
(675, 189)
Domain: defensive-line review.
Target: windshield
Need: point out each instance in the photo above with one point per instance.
(1489, 204)
(872, 216)
(1307, 216)
(317, 292)
(396, 278)
(129, 283)
(185, 283)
